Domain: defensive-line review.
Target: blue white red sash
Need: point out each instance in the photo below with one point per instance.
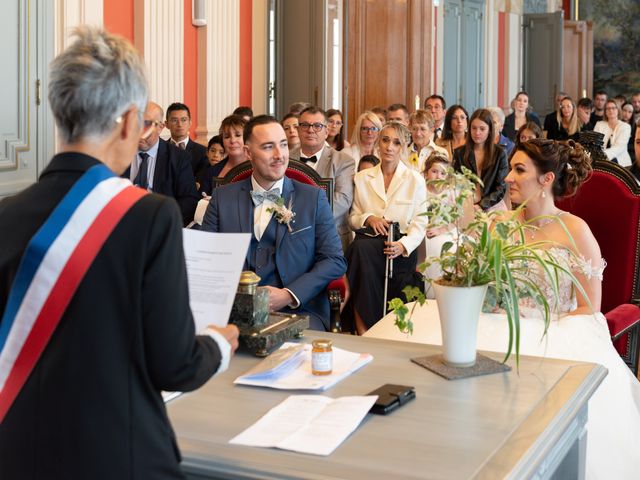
(54, 263)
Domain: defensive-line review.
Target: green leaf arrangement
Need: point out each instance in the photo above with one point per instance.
(402, 321)
(489, 249)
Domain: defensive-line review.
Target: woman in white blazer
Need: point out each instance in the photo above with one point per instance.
(616, 134)
(388, 192)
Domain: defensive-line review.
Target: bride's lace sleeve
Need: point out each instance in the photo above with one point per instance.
(587, 268)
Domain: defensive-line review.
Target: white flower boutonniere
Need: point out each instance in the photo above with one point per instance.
(283, 214)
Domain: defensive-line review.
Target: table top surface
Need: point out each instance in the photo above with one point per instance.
(484, 427)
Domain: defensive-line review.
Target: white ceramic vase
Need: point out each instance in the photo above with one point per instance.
(459, 309)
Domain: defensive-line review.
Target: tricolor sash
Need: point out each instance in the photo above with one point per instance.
(53, 265)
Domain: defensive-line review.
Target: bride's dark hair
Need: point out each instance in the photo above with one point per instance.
(567, 160)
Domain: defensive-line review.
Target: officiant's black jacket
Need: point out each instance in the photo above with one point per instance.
(91, 408)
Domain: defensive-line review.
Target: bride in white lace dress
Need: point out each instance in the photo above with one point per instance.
(542, 170)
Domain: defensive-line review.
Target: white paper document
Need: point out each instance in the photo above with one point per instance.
(214, 263)
(307, 423)
(301, 378)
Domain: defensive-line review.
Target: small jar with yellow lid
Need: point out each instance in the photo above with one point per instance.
(322, 357)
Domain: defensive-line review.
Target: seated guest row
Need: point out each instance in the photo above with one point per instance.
(397, 194)
(449, 130)
(129, 304)
(481, 152)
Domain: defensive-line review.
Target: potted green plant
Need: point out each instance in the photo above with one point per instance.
(488, 252)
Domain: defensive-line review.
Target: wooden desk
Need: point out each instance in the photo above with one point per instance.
(497, 426)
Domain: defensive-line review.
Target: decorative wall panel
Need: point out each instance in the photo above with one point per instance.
(26, 33)
(14, 122)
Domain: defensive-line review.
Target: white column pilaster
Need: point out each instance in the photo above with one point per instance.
(164, 50)
(73, 13)
(492, 44)
(222, 61)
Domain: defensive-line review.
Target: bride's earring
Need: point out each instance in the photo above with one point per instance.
(544, 195)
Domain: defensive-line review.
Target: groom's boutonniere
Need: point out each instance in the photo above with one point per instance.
(283, 214)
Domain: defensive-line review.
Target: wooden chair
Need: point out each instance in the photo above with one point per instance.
(610, 204)
(336, 290)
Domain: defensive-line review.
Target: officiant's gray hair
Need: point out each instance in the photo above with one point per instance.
(94, 81)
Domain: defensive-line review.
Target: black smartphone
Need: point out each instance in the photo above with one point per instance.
(391, 397)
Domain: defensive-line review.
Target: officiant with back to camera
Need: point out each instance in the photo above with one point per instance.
(83, 399)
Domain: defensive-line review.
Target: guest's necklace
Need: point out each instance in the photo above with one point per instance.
(543, 223)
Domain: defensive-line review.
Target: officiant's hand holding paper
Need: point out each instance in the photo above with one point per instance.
(214, 262)
(230, 334)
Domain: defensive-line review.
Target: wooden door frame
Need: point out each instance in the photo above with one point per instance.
(419, 54)
(547, 104)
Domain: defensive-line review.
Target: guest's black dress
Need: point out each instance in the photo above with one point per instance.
(366, 274)
(556, 131)
(404, 202)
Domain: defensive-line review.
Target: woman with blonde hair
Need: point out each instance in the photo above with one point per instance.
(364, 136)
(385, 194)
(566, 125)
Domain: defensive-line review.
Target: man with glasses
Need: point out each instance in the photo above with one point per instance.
(329, 163)
(179, 124)
(437, 107)
(163, 168)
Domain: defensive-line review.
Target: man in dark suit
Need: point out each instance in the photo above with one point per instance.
(296, 257)
(92, 405)
(167, 169)
(329, 163)
(179, 124)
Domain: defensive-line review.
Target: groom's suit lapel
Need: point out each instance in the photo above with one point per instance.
(288, 195)
(245, 207)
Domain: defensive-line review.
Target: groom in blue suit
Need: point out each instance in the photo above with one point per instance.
(295, 256)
